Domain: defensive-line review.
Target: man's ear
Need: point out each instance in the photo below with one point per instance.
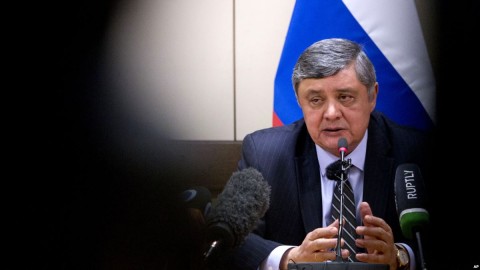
(373, 97)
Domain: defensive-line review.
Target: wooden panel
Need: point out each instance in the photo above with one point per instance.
(208, 163)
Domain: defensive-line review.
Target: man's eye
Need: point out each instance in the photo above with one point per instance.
(345, 98)
(315, 101)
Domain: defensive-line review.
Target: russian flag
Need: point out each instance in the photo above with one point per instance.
(391, 34)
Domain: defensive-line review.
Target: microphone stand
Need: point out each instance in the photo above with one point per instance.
(420, 251)
(343, 177)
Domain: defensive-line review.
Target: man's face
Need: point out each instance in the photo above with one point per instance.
(334, 107)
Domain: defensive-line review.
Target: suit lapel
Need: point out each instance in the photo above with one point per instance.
(308, 183)
(378, 170)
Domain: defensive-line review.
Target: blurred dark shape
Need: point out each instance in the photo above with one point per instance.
(93, 187)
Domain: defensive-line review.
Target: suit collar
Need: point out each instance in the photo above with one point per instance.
(379, 167)
(308, 182)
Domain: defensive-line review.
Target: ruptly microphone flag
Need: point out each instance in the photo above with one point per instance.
(391, 35)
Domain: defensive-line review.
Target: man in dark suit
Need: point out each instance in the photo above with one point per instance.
(336, 88)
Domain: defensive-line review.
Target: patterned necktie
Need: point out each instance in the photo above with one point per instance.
(349, 211)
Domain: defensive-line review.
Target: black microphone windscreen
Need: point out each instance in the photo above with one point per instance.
(243, 201)
(409, 198)
(334, 170)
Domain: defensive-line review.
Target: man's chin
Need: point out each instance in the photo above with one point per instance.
(330, 142)
(333, 136)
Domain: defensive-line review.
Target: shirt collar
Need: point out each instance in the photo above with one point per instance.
(357, 156)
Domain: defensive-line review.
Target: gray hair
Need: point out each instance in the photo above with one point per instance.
(327, 57)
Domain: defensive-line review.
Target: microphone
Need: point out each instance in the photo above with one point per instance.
(197, 199)
(409, 199)
(243, 201)
(334, 170)
(197, 202)
(409, 194)
(342, 148)
(339, 171)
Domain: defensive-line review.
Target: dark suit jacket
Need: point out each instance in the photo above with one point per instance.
(287, 159)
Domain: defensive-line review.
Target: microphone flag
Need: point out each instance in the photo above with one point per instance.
(393, 40)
